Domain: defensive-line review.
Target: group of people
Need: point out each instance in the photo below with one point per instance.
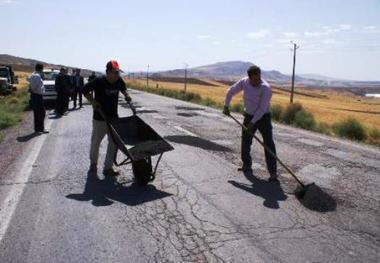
(69, 86)
(103, 93)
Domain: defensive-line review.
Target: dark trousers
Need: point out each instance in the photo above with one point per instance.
(264, 126)
(62, 103)
(77, 92)
(38, 107)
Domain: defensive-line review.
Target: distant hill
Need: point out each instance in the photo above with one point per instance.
(234, 70)
(26, 64)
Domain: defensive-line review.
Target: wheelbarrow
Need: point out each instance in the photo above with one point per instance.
(138, 142)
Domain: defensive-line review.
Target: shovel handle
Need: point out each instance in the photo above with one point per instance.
(268, 150)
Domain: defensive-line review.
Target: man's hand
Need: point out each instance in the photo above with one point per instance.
(94, 103)
(226, 111)
(128, 98)
(250, 127)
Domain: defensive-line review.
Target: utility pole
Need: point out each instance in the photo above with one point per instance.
(294, 49)
(186, 65)
(147, 77)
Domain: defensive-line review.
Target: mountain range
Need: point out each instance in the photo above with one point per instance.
(26, 64)
(234, 70)
(223, 71)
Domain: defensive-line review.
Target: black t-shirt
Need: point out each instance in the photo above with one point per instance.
(106, 94)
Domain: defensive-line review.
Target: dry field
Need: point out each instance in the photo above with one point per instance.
(327, 106)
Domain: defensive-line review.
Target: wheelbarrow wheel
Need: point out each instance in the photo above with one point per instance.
(142, 170)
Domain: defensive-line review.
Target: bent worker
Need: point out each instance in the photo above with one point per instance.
(103, 94)
(257, 95)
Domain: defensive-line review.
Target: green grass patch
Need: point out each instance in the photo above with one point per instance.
(289, 114)
(276, 112)
(12, 108)
(350, 128)
(305, 120)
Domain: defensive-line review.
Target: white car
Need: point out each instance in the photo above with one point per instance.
(49, 84)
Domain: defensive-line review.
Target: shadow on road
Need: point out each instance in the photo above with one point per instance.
(27, 137)
(197, 142)
(104, 192)
(272, 193)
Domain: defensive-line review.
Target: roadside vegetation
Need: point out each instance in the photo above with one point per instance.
(12, 107)
(290, 114)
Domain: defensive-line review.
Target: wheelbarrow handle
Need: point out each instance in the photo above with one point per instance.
(132, 107)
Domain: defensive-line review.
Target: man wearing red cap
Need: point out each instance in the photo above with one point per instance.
(103, 93)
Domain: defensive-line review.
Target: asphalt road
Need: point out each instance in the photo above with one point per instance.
(199, 208)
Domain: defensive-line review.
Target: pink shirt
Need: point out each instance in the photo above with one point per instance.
(256, 99)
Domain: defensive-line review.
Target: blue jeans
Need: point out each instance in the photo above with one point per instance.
(264, 126)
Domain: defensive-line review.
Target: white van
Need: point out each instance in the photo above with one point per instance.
(49, 84)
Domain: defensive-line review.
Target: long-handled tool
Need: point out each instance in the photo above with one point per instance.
(300, 192)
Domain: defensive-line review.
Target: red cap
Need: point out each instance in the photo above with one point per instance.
(113, 65)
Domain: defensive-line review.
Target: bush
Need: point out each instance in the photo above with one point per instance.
(304, 120)
(276, 112)
(209, 102)
(374, 133)
(289, 114)
(323, 128)
(351, 129)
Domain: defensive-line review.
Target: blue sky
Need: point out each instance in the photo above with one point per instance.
(337, 38)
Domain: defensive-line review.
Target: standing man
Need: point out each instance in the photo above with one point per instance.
(64, 89)
(78, 88)
(92, 77)
(37, 89)
(256, 95)
(103, 94)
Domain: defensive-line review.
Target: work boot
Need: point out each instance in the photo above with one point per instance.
(273, 178)
(111, 172)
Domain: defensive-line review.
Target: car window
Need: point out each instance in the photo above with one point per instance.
(4, 73)
(50, 75)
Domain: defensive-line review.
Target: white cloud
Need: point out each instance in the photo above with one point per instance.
(316, 33)
(331, 41)
(345, 26)
(258, 34)
(369, 28)
(8, 2)
(290, 34)
(283, 40)
(203, 36)
(328, 30)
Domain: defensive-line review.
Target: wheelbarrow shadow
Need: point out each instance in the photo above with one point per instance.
(105, 192)
(272, 193)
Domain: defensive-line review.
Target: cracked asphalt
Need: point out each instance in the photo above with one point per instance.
(199, 208)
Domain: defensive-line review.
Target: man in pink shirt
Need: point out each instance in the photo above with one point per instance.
(256, 96)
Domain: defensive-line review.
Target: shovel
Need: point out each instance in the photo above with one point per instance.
(301, 190)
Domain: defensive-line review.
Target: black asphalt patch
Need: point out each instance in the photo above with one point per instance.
(188, 108)
(197, 142)
(186, 114)
(146, 111)
(316, 199)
